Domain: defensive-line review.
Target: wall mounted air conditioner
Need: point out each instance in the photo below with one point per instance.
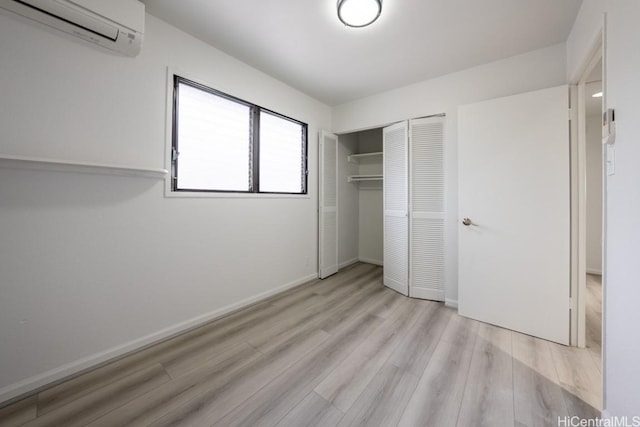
(114, 24)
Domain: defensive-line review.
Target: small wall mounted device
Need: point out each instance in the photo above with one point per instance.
(609, 139)
(609, 126)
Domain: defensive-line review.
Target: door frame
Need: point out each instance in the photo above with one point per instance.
(578, 192)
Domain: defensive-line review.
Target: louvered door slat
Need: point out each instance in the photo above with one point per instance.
(328, 205)
(395, 194)
(426, 224)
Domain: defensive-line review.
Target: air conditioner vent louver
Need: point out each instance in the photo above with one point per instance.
(117, 25)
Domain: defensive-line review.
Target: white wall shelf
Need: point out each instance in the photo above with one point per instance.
(369, 167)
(21, 162)
(355, 158)
(357, 178)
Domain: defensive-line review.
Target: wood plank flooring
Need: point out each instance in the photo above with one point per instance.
(344, 351)
(594, 318)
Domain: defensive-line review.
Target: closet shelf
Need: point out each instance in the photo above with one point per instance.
(355, 158)
(22, 162)
(356, 178)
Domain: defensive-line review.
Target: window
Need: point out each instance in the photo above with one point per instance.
(224, 144)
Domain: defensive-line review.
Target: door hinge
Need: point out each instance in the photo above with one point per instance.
(573, 114)
(572, 304)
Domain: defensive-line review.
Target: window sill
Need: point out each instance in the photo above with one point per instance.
(213, 195)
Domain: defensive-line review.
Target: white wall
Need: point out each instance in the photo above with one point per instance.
(93, 266)
(594, 194)
(621, 344)
(371, 226)
(371, 244)
(348, 207)
(535, 70)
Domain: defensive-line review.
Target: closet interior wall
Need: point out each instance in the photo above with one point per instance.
(360, 215)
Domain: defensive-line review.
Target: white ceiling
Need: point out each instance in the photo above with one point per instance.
(302, 43)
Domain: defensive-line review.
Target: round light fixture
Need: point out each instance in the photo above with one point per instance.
(359, 13)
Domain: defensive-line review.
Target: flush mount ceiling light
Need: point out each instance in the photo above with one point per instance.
(597, 95)
(359, 13)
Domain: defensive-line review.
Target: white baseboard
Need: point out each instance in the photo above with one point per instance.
(594, 271)
(370, 261)
(347, 263)
(38, 381)
(428, 294)
(453, 303)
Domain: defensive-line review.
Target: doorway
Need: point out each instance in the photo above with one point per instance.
(588, 233)
(593, 90)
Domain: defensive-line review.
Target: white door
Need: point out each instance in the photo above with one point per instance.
(328, 205)
(514, 258)
(426, 201)
(396, 207)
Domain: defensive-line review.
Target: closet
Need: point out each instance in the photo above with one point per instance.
(363, 170)
(390, 192)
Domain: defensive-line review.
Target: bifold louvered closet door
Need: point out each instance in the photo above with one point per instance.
(414, 213)
(426, 208)
(328, 205)
(395, 196)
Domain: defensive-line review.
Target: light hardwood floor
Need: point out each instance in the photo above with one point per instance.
(338, 352)
(594, 317)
